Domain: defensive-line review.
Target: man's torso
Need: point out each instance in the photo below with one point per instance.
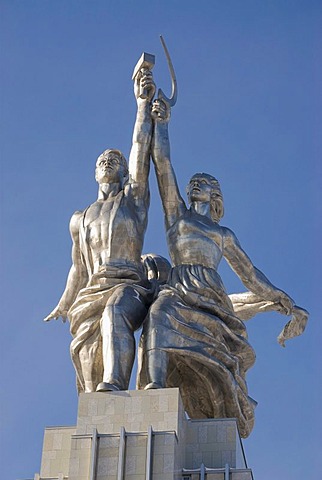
(113, 232)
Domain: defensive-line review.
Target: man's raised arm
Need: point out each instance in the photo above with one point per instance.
(173, 204)
(139, 162)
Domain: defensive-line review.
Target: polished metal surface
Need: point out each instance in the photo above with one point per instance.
(194, 337)
(107, 291)
(174, 92)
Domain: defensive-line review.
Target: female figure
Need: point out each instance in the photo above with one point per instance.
(192, 338)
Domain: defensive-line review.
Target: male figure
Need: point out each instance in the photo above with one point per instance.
(107, 291)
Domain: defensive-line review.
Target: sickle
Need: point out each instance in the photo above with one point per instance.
(171, 101)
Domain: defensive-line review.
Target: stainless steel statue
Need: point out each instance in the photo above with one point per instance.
(107, 291)
(192, 337)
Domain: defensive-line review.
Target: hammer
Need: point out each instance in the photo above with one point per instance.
(146, 61)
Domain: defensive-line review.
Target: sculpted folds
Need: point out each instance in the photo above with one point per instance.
(192, 337)
(107, 292)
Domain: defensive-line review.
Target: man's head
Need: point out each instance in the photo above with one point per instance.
(205, 188)
(111, 167)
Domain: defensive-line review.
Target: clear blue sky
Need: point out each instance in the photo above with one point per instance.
(249, 112)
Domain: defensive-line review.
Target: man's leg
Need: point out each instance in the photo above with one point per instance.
(87, 356)
(123, 314)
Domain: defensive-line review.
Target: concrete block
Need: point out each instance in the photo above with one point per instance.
(74, 467)
(130, 465)
(221, 433)
(203, 433)
(227, 457)
(177, 441)
(168, 463)
(157, 465)
(92, 407)
(140, 465)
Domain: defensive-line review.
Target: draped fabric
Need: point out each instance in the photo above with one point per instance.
(86, 312)
(194, 322)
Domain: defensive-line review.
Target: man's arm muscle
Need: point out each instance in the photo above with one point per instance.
(77, 277)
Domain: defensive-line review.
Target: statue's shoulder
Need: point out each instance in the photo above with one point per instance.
(128, 189)
(75, 221)
(137, 192)
(228, 235)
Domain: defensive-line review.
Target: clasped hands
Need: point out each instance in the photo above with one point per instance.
(160, 110)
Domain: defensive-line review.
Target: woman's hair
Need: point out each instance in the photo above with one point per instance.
(216, 200)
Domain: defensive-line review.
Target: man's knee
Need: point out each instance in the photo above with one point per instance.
(126, 303)
(125, 296)
(126, 313)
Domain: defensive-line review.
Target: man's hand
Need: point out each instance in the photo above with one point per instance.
(160, 111)
(144, 81)
(56, 313)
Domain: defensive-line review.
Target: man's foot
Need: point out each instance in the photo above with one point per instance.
(152, 386)
(107, 387)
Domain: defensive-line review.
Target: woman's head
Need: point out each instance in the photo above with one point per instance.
(199, 185)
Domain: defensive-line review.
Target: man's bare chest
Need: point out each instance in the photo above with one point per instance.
(98, 214)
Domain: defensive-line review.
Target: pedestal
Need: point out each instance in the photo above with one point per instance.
(142, 435)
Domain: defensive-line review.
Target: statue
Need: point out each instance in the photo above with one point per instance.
(192, 337)
(108, 292)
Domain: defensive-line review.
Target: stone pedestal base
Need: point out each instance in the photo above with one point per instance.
(142, 435)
